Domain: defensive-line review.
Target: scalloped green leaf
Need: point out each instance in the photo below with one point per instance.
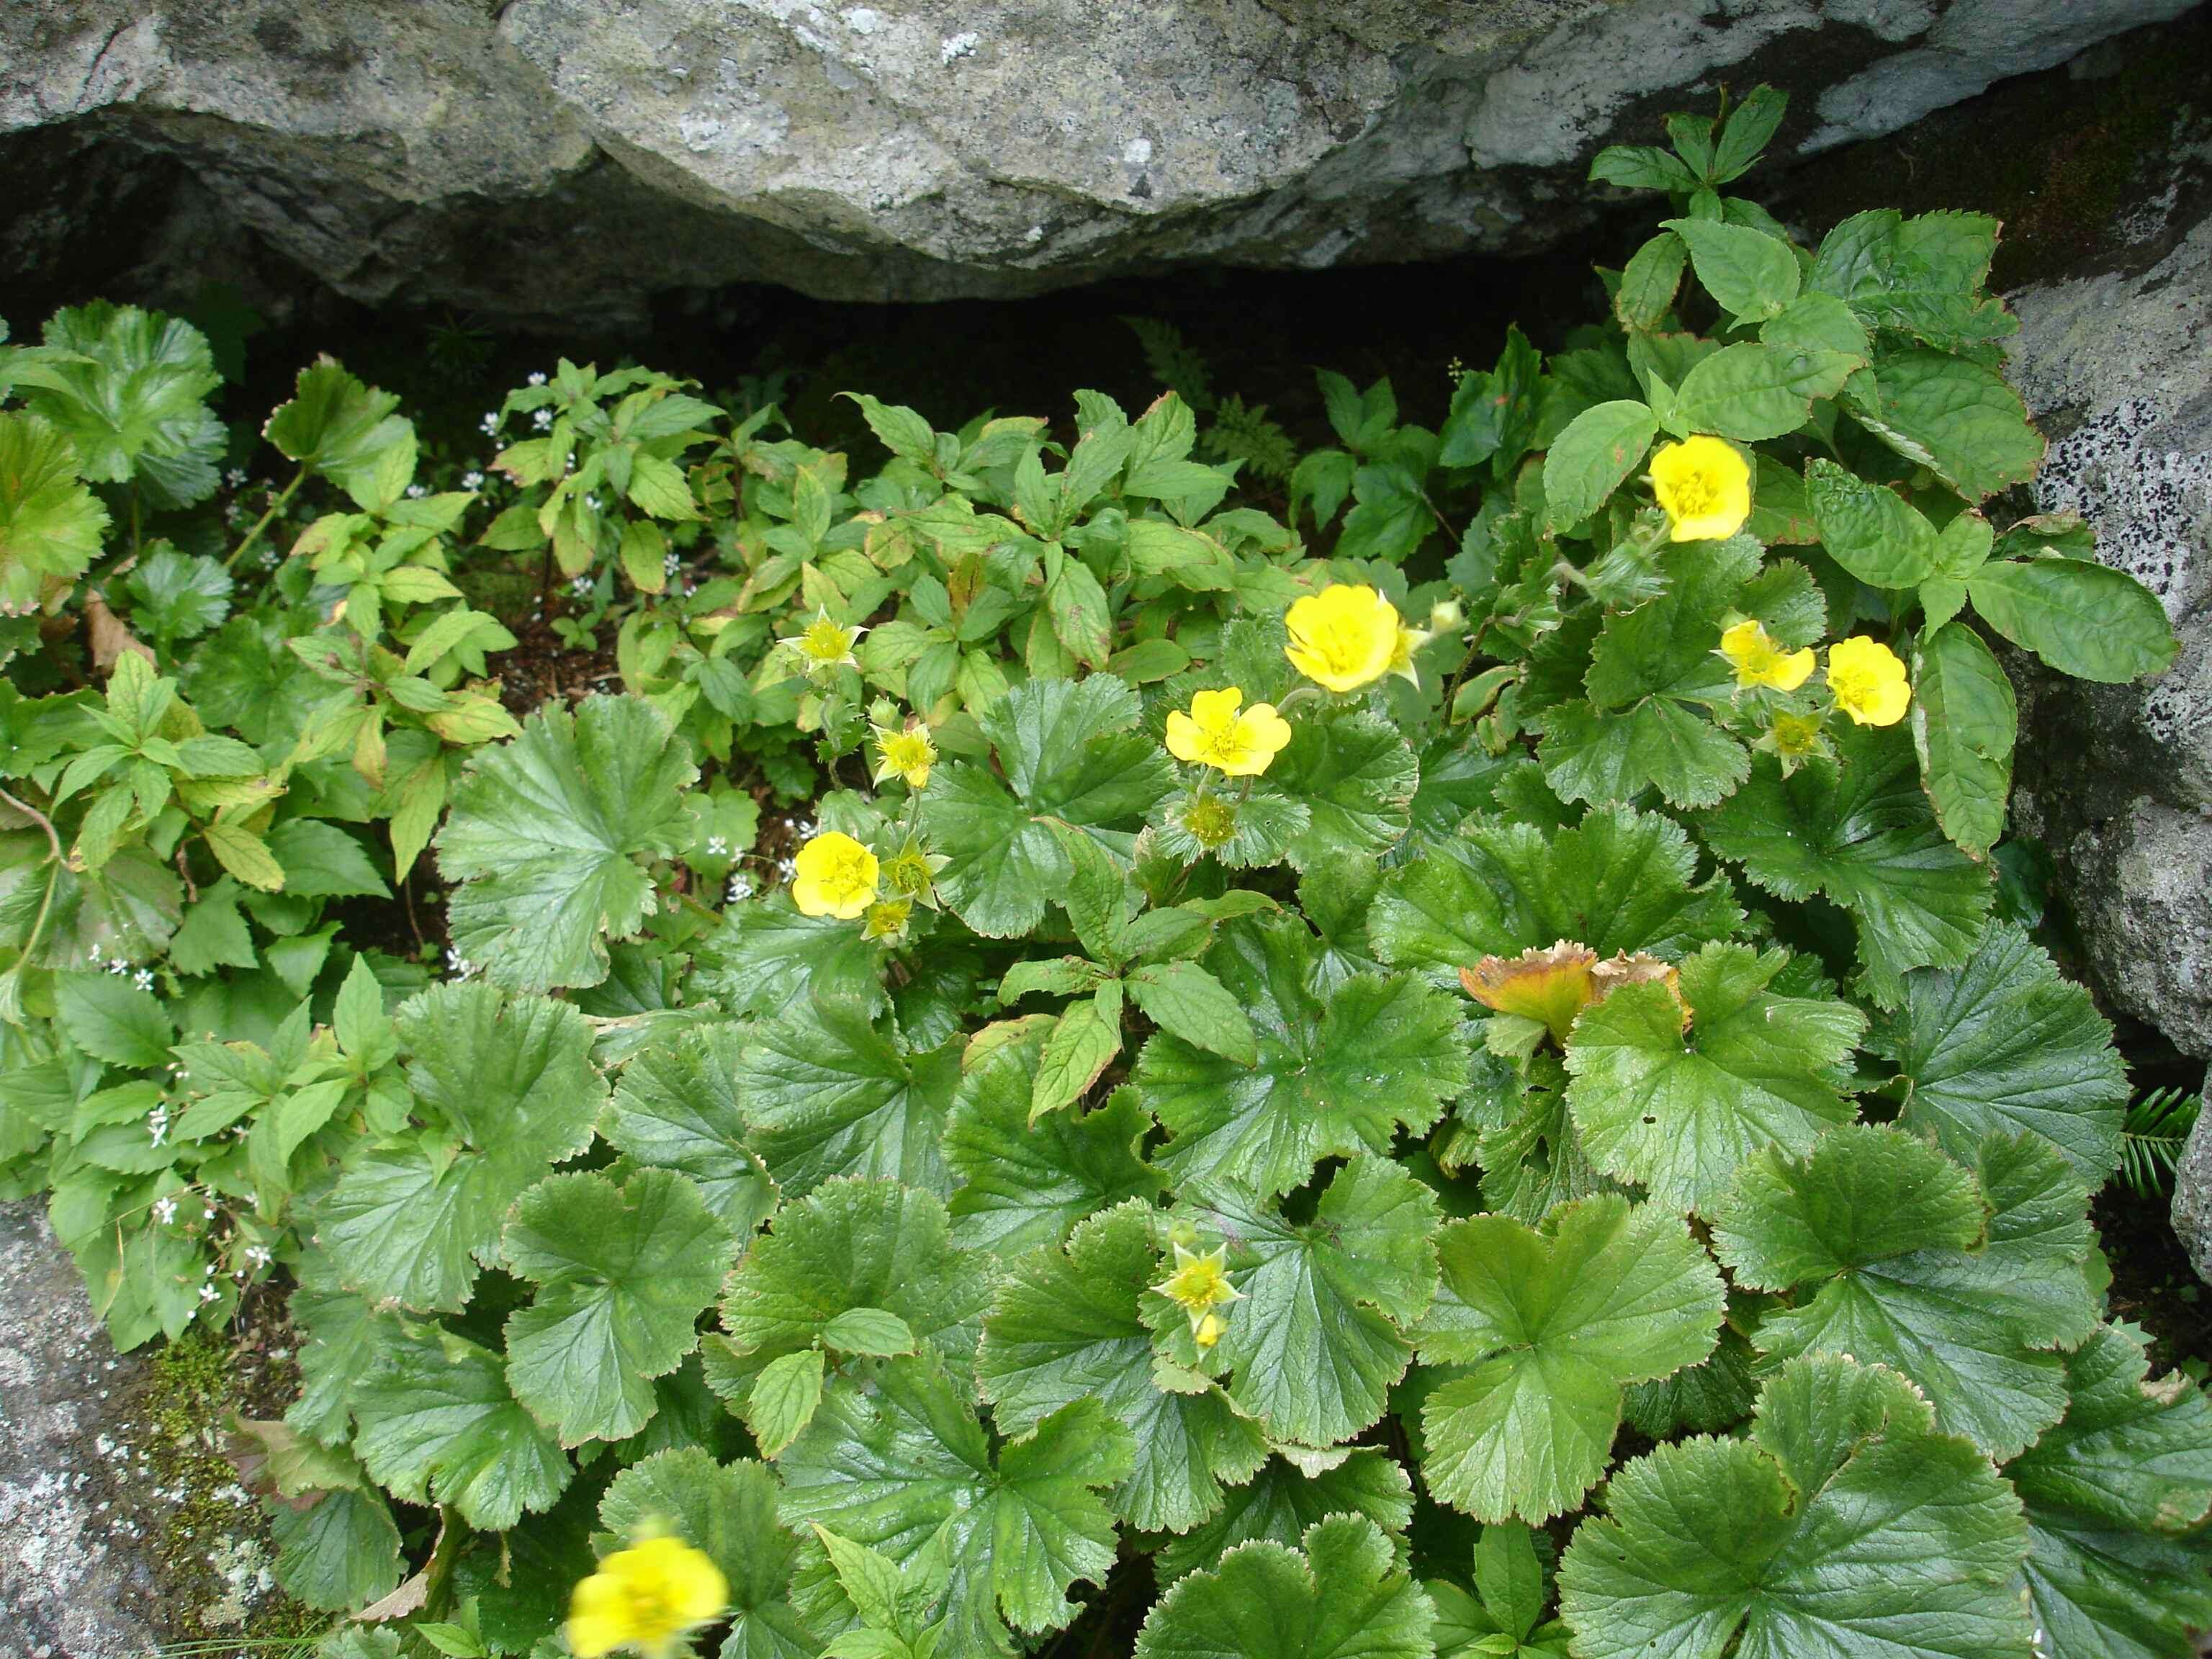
(1343, 1594)
(831, 1092)
(676, 1107)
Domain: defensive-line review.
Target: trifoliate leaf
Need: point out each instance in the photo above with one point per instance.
(1318, 1337)
(676, 1108)
(1859, 830)
(1067, 753)
(1844, 1526)
(728, 1511)
(1337, 1074)
(890, 1466)
(1619, 881)
(1065, 1325)
(1556, 1323)
(767, 956)
(545, 834)
(50, 523)
(513, 1081)
(2115, 1493)
(1681, 1110)
(1024, 1184)
(622, 1274)
(830, 1093)
(1882, 1238)
(437, 1423)
(1354, 775)
(850, 1244)
(129, 395)
(1283, 1500)
(2003, 1043)
(1345, 1594)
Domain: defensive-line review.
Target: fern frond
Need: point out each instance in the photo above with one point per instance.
(1175, 363)
(2151, 1138)
(1249, 434)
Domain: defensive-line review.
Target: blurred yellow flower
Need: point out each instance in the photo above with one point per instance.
(645, 1597)
(907, 755)
(1342, 637)
(1409, 640)
(835, 877)
(824, 644)
(1213, 733)
(1705, 488)
(1759, 659)
(1868, 681)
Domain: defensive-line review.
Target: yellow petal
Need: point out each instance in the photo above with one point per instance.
(1185, 741)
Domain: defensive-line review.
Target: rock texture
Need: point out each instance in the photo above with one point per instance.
(559, 158)
(2192, 1192)
(74, 1583)
(2118, 779)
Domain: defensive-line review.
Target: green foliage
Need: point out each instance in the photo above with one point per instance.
(1145, 1130)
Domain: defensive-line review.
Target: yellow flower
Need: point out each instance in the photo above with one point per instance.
(908, 755)
(1868, 681)
(1342, 637)
(1760, 660)
(1705, 488)
(1410, 640)
(823, 644)
(887, 919)
(645, 1597)
(1199, 1285)
(1214, 734)
(911, 872)
(835, 877)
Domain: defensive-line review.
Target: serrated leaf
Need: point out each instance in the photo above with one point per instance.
(622, 1274)
(1337, 1073)
(1751, 274)
(1345, 1593)
(1754, 392)
(1845, 1525)
(1067, 753)
(339, 1552)
(1282, 1501)
(767, 956)
(784, 1399)
(50, 524)
(856, 1244)
(1870, 529)
(436, 1423)
(1556, 1323)
(112, 1019)
(1354, 775)
(1190, 1004)
(1619, 881)
(1592, 458)
(127, 387)
(728, 1511)
(1859, 830)
(546, 834)
(869, 1331)
(336, 425)
(1957, 418)
(321, 860)
(830, 1093)
(1318, 1336)
(1065, 1326)
(1024, 1184)
(676, 1108)
(1882, 1238)
(514, 1081)
(1965, 721)
(891, 1467)
(1682, 1111)
(1922, 277)
(2114, 1492)
(2082, 618)
(1083, 1042)
(2003, 1044)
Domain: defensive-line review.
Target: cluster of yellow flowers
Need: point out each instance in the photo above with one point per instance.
(1704, 486)
(839, 875)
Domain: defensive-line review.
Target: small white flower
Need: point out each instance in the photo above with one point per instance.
(741, 888)
(490, 424)
(672, 564)
(165, 1210)
(717, 848)
(235, 478)
(117, 965)
(542, 420)
(581, 587)
(538, 379)
(208, 1293)
(688, 590)
(95, 950)
(787, 867)
(472, 479)
(269, 558)
(592, 500)
(459, 965)
(257, 1255)
(144, 979)
(236, 516)
(208, 1214)
(416, 492)
(157, 1124)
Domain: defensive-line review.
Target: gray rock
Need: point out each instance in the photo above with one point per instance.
(544, 159)
(2118, 779)
(73, 1583)
(2192, 1192)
